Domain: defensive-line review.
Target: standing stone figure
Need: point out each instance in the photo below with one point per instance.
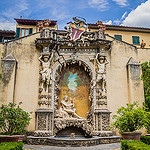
(46, 60)
(101, 72)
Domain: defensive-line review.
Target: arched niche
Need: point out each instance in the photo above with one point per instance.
(75, 83)
(81, 63)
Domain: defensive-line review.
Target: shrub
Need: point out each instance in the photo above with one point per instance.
(131, 118)
(145, 139)
(13, 119)
(11, 146)
(134, 145)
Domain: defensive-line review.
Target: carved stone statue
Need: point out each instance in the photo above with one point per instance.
(46, 71)
(67, 109)
(101, 72)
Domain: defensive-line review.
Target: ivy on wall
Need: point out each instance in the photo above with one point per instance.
(146, 80)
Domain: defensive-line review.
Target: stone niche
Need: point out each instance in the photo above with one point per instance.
(72, 84)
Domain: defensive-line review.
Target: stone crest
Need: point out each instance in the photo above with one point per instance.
(77, 28)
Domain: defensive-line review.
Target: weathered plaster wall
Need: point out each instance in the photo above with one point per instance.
(26, 78)
(117, 76)
(1, 52)
(143, 55)
(27, 74)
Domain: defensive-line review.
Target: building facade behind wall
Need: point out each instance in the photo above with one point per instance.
(132, 35)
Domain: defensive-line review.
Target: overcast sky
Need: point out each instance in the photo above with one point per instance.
(118, 12)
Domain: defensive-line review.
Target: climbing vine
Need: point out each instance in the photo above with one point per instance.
(146, 81)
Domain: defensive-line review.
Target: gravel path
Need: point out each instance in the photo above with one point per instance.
(113, 146)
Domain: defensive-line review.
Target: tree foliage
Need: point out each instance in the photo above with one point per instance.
(13, 119)
(146, 81)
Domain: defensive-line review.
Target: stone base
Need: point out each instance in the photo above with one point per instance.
(67, 142)
(11, 138)
(103, 133)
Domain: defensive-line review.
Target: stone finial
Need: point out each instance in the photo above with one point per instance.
(46, 23)
(101, 26)
(40, 25)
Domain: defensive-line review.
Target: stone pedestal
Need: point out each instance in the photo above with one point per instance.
(102, 122)
(44, 122)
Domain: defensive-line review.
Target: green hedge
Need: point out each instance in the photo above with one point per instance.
(11, 146)
(134, 145)
(145, 139)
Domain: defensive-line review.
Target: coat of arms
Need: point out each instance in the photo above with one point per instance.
(77, 28)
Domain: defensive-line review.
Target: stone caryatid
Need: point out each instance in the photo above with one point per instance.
(67, 109)
(46, 72)
(101, 72)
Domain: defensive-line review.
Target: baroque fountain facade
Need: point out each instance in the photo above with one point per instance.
(72, 84)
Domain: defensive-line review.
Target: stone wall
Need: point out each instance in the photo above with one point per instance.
(1, 53)
(23, 80)
(120, 85)
(24, 77)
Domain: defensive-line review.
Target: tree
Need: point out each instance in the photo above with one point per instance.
(146, 81)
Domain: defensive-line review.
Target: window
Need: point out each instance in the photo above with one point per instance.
(135, 40)
(6, 39)
(24, 32)
(119, 37)
(20, 32)
(1, 38)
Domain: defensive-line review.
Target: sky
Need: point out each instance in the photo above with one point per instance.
(116, 12)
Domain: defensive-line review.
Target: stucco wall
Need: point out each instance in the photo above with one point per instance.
(35, 28)
(117, 82)
(27, 74)
(1, 52)
(127, 36)
(143, 55)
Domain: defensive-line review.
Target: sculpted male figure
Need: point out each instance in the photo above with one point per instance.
(68, 107)
(101, 73)
(46, 70)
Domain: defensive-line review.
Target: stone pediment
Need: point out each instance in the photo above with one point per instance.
(132, 62)
(9, 57)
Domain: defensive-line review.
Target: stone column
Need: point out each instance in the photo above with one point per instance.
(101, 112)
(44, 114)
(135, 84)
